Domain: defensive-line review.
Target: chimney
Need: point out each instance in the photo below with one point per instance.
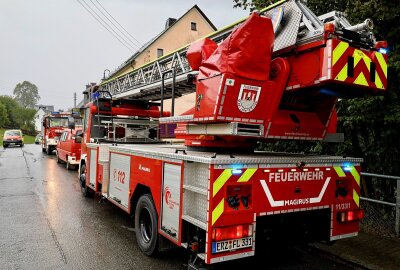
(169, 22)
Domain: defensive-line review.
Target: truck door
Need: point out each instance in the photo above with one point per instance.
(119, 178)
(171, 200)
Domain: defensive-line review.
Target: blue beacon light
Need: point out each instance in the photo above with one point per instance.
(347, 166)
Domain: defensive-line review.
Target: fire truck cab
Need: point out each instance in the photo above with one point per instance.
(53, 125)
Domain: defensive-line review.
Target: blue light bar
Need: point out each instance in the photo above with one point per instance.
(383, 50)
(347, 166)
(95, 95)
(236, 171)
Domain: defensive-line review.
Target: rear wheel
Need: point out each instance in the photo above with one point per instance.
(5, 145)
(146, 225)
(58, 158)
(22, 144)
(48, 150)
(86, 192)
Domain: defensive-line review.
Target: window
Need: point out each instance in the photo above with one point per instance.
(160, 52)
(193, 26)
(64, 136)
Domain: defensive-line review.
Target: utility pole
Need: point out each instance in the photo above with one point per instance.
(74, 99)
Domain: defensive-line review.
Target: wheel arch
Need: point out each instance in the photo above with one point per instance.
(139, 191)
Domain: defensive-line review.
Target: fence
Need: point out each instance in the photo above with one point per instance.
(382, 209)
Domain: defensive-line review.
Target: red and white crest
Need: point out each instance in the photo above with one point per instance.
(248, 97)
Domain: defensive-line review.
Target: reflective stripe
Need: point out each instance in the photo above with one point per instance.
(221, 180)
(355, 174)
(356, 197)
(361, 80)
(342, 75)
(247, 175)
(358, 55)
(339, 171)
(339, 51)
(378, 81)
(382, 63)
(217, 212)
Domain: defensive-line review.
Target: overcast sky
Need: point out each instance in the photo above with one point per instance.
(58, 46)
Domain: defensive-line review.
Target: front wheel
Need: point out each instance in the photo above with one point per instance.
(146, 225)
(48, 150)
(86, 192)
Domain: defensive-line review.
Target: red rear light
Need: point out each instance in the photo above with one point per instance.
(232, 232)
(350, 216)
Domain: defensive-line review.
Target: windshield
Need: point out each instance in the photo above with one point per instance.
(78, 122)
(58, 121)
(13, 133)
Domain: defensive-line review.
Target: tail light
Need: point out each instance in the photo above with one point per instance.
(349, 216)
(232, 232)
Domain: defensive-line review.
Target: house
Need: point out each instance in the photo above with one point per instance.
(177, 33)
(41, 111)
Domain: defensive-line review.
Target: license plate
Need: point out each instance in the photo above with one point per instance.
(234, 244)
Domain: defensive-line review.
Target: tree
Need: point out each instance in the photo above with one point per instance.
(26, 94)
(14, 116)
(3, 114)
(11, 105)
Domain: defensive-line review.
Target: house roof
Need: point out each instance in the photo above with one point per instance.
(146, 45)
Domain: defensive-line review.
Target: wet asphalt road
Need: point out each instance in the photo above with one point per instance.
(45, 223)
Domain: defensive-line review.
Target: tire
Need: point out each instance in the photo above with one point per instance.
(48, 150)
(4, 145)
(68, 165)
(86, 192)
(43, 150)
(22, 145)
(146, 225)
(58, 158)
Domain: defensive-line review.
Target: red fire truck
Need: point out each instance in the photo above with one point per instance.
(215, 195)
(53, 125)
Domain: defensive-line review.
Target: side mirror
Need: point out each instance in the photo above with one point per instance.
(71, 123)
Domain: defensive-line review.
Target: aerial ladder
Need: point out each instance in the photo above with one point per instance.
(326, 58)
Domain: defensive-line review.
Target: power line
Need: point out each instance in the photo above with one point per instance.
(119, 23)
(102, 24)
(108, 26)
(116, 27)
